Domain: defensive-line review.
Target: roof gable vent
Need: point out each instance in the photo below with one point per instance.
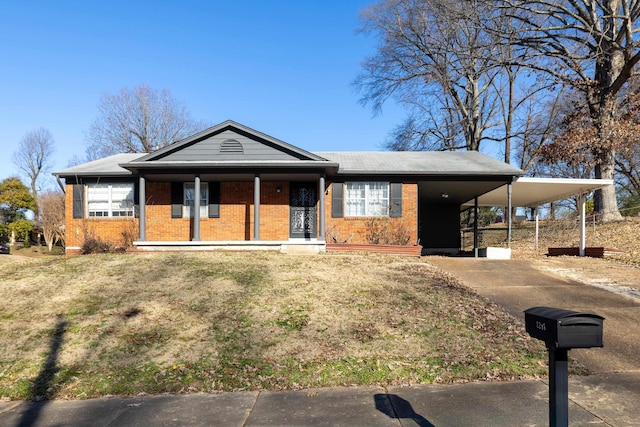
(231, 146)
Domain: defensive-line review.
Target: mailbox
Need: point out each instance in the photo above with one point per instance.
(564, 328)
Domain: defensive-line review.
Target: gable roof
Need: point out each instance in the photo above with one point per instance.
(231, 128)
(232, 146)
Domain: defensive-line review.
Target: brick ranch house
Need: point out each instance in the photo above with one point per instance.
(232, 187)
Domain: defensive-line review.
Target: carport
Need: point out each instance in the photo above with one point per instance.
(535, 192)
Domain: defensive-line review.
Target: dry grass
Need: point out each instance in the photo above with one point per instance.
(186, 322)
(566, 233)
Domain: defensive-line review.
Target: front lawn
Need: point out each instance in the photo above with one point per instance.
(118, 324)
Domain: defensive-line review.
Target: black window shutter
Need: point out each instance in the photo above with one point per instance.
(176, 199)
(214, 200)
(395, 196)
(78, 201)
(337, 197)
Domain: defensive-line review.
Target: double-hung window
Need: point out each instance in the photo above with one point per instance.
(189, 199)
(110, 200)
(367, 199)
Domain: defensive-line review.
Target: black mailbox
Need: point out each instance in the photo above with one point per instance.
(564, 328)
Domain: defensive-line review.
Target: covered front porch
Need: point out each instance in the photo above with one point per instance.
(236, 211)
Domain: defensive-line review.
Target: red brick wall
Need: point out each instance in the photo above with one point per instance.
(236, 214)
(355, 229)
(116, 231)
(236, 217)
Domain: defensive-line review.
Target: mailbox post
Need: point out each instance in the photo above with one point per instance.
(562, 330)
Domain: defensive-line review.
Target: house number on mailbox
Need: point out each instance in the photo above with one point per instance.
(540, 325)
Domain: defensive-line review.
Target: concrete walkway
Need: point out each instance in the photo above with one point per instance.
(613, 389)
(519, 403)
(609, 397)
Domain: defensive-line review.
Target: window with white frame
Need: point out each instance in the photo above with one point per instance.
(110, 200)
(189, 199)
(367, 199)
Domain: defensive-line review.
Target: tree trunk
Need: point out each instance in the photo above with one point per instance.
(605, 201)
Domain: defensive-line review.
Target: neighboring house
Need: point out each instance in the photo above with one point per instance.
(233, 187)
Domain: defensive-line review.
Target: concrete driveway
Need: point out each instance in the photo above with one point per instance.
(614, 384)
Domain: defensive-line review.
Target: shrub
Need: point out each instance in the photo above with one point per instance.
(22, 230)
(94, 245)
(384, 231)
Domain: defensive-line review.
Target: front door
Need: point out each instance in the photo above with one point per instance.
(303, 217)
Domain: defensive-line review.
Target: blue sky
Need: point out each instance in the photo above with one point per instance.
(284, 68)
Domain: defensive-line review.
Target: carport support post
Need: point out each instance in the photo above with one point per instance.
(509, 207)
(537, 216)
(475, 228)
(558, 388)
(582, 201)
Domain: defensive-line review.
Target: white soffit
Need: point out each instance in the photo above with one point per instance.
(534, 192)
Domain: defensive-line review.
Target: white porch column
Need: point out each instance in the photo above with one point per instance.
(256, 207)
(321, 230)
(142, 200)
(582, 199)
(196, 209)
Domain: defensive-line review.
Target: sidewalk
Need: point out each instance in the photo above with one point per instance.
(518, 403)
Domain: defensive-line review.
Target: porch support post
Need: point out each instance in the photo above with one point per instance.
(196, 209)
(475, 227)
(256, 208)
(509, 207)
(142, 200)
(582, 199)
(321, 231)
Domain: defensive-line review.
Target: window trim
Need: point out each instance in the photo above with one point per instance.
(204, 203)
(367, 200)
(129, 212)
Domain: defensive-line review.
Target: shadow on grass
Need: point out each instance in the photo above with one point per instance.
(398, 408)
(40, 388)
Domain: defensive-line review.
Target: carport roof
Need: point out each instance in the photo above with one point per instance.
(534, 192)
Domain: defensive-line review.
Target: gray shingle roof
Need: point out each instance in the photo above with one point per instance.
(107, 166)
(424, 163)
(419, 163)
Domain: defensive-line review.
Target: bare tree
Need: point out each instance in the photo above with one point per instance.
(592, 46)
(438, 63)
(139, 120)
(52, 215)
(34, 158)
